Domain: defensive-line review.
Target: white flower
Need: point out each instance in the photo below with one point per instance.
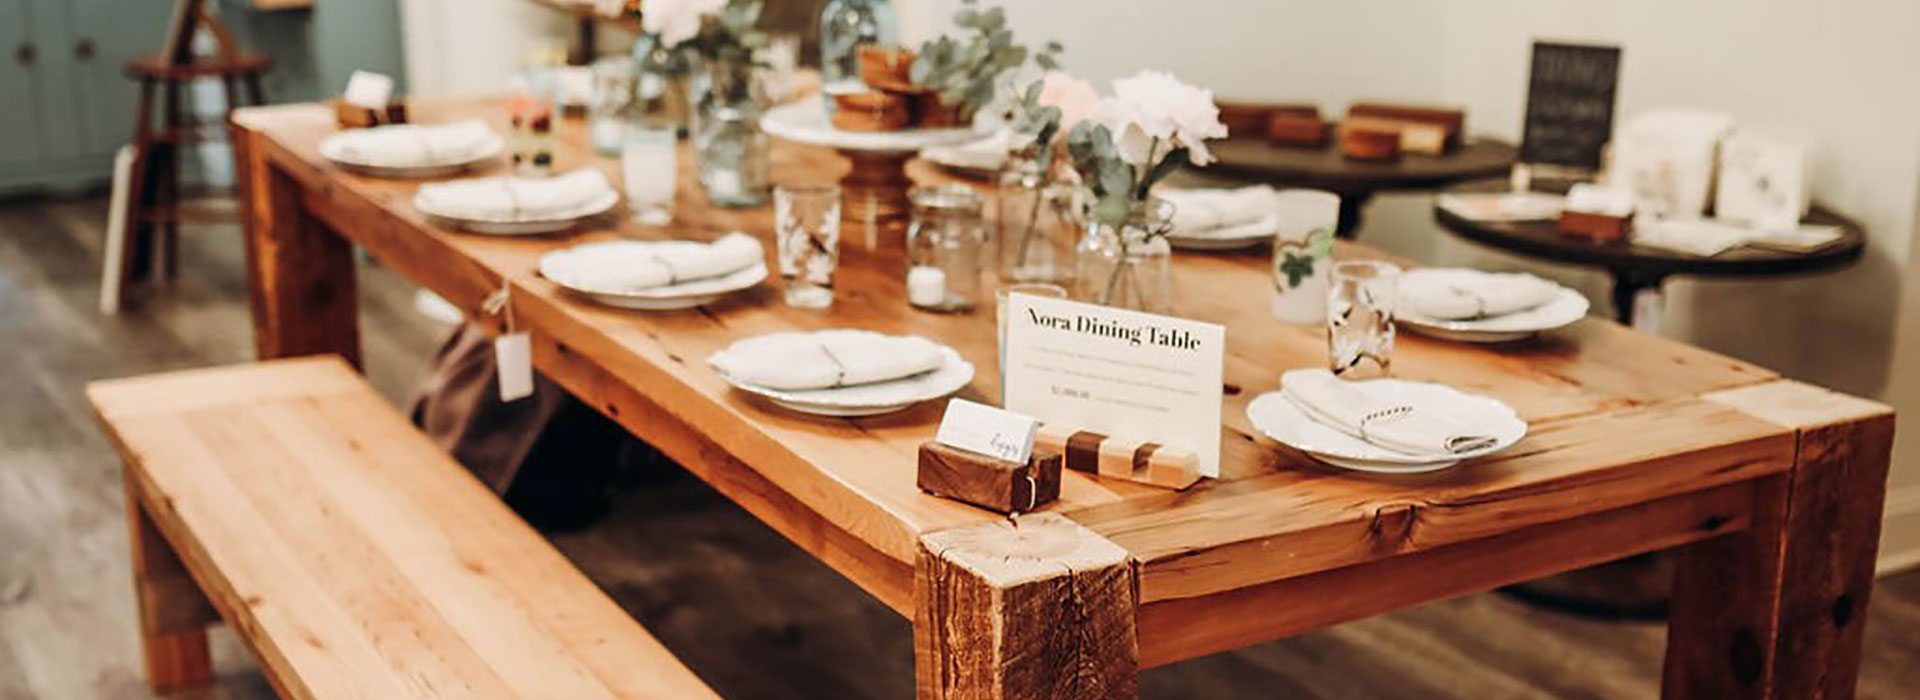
(1154, 106)
(676, 21)
(1074, 97)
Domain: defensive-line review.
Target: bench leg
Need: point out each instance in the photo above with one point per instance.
(1035, 609)
(1778, 610)
(174, 613)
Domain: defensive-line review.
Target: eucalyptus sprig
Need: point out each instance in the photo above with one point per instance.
(1119, 186)
(965, 70)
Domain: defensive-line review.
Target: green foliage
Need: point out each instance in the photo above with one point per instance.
(965, 68)
(1118, 186)
(1296, 267)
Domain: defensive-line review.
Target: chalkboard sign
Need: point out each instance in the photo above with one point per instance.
(1570, 104)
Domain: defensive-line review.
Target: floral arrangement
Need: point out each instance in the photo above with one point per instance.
(1151, 126)
(714, 30)
(965, 70)
(1054, 103)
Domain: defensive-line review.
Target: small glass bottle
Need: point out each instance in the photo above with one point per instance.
(1129, 265)
(733, 153)
(845, 26)
(612, 108)
(1036, 224)
(944, 249)
(531, 140)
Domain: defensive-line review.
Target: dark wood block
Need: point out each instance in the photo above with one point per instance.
(991, 483)
(1453, 121)
(351, 116)
(1295, 130)
(1598, 227)
(1362, 143)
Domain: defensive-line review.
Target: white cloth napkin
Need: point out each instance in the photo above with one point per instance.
(1409, 428)
(826, 359)
(412, 145)
(515, 198)
(1223, 213)
(1455, 294)
(640, 265)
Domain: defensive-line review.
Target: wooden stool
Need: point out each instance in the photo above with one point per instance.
(153, 215)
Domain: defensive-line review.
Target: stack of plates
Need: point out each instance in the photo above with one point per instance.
(1565, 307)
(333, 149)
(522, 225)
(953, 374)
(1278, 418)
(563, 266)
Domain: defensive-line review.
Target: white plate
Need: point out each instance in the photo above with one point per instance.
(526, 227)
(1566, 307)
(806, 121)
(685, 295)
(1277, 418)
(330, 149)
(952, 375)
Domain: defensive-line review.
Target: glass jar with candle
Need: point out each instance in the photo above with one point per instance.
(944, 245)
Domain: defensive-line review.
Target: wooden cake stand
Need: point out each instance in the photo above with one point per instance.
(874, 209)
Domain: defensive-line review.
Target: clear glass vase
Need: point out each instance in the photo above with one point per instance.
(1037, 224)
(661, 84)
(730, 149)
(1128, 266)
(845, 26)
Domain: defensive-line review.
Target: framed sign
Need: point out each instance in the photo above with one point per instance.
(1570, 94)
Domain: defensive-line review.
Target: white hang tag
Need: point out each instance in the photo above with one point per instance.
(513, 360)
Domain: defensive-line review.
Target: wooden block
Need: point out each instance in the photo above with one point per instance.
(1415, 137)
(1599, 227)
(886, 68)
(1296, 130)
(1121, 458)
(1250, 118)
(351, 116)
(1369, 143)
(1038, 608)
(1452, 121)
(995, 484)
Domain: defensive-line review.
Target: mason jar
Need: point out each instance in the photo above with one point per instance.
(945, 244)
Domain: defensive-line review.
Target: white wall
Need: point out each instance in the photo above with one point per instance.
(1840, 71)
(468, 47)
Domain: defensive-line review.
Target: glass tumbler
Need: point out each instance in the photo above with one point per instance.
(945, 249)
(1360, 318)
(649, 170)
(806, 220)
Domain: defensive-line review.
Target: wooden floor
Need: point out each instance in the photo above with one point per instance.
(753, 615)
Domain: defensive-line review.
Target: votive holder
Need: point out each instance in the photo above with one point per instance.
(1360, 305)
(807, 235)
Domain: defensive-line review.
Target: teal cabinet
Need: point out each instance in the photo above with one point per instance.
(65, 105)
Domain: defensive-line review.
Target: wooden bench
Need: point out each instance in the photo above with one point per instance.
(352, 556)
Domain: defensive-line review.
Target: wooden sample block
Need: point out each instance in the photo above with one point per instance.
(1038, 608)
(995, 484)
(1360, 142)
(1415, 137)
(1120, 458)
(1602, 228)
(1452, 122)
(352, 116)
(1296, 130)
(1250, 118)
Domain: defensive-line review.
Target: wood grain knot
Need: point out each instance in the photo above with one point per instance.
(1715, 522)
(1842, 610)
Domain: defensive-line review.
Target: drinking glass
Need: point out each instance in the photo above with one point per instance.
(1038, 289)
(649, 169)
(806, 221)
(1360, 318)
(1302, 252)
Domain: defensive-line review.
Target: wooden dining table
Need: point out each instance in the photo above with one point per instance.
(1769, 489)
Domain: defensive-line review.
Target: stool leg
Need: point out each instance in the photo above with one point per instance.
(256, 95)
(138, 231)
(173, 612)
(169, 248)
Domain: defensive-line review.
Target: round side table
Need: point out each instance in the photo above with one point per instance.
(1356, 181)
(1638, 268)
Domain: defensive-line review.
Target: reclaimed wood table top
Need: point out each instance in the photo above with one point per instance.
(1624, 424)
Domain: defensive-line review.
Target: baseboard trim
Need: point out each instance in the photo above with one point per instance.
(1900, 531)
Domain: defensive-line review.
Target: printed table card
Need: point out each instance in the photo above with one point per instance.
(1116, 372)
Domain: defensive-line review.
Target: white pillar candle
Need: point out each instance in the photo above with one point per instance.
(926, 286)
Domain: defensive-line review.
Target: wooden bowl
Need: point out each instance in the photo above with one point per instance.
(871, 111)
(887, 68)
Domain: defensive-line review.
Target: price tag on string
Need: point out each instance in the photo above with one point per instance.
(512, 351)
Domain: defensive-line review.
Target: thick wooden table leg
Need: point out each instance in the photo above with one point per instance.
(1778, 610)
(174, 613)
(1038, 609)
(300, 274)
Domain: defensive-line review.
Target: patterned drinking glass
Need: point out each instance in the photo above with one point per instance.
(806, 222)
(1360, 318)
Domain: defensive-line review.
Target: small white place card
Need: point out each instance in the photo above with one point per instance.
(1117, 372)
(987, 430)
(368, 89)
